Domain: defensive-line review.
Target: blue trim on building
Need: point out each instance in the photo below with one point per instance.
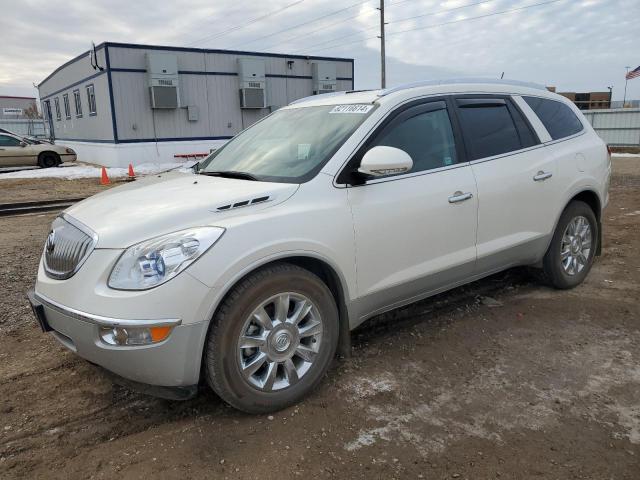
(177, 139)
(233, 74)
(129, 70)
(232, 52)
(195, 72)
(90, 77)
(145, 140)
(88, 140)
(114, 122)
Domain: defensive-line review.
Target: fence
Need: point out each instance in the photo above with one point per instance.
(617, 127)
(27, 127)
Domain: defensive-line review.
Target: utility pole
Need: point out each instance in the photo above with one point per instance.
(383, 67)
(624, 99)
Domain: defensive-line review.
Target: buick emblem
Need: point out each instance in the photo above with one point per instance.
(50, 244)
(282, 342)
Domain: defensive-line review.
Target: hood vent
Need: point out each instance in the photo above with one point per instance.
(243, 203)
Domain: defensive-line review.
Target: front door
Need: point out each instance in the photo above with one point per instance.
(415, 232)
(13, 153)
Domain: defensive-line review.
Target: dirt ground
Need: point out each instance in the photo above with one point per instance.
(504, 378)
(33, 190)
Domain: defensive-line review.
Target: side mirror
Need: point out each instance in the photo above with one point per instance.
(196, 167)
(23, 144)
(381, 161)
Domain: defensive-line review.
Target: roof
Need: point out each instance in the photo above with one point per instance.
(139, 46)
(433, 87)
(17, 98)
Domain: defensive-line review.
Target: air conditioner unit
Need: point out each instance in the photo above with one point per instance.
(324, 77)
(162, 74)
(251, 73)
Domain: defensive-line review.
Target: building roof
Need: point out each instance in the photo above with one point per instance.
(17, 98)
(139, 46)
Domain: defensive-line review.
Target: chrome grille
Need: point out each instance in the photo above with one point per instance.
(67, 247)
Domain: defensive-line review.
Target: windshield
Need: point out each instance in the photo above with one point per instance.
(290, 145)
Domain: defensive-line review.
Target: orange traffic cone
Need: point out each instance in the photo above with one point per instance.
(104, 179)
(132, 175)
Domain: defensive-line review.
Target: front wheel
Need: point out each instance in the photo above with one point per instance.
(573, 246)
(49, 160)
(272, 339)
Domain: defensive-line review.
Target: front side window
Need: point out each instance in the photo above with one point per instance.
(67, 110)
(78, 102)
(56, 101)
(427, 138)
(291, 145)
(489, 128)
(557, 118)
(91, 99)
(7, 141)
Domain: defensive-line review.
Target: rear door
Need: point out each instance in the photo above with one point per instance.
(415, 232)
(517, 198)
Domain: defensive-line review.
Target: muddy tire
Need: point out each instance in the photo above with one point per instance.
(49, 160)
(272, 339)
(573, 247)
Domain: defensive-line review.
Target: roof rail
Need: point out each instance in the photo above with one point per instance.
(321, 95)
(427, 83)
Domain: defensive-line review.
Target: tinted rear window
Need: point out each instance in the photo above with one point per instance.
(558, 118)
(489, 130)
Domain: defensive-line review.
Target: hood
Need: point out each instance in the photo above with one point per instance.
(160, 204)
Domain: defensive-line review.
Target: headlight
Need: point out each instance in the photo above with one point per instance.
(156, 261)
(69, 151)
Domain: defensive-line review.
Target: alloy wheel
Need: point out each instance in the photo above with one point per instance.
(279, 341)
(576, 246)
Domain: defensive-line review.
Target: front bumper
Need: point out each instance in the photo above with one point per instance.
(170, 363)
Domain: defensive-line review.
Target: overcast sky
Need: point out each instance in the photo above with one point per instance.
(576, 45)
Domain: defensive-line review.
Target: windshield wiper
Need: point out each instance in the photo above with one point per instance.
(230, 174)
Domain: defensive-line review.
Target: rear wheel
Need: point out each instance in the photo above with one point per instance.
(49, 159)
(572, 250)
(272, 339)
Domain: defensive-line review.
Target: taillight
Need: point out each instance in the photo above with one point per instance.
(608, 149)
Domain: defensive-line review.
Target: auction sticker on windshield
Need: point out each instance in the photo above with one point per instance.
(351, 109)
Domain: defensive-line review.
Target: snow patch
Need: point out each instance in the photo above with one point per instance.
(622, 155)
(363, 387)
(91, 171)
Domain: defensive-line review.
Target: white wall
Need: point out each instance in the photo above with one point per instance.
(122, 154)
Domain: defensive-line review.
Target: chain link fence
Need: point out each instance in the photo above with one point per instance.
(36, 127)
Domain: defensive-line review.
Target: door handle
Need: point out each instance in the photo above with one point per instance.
(540, 176)
(460, 197)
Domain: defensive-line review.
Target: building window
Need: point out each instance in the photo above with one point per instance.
(56, 101)
(91, 99)
(67, 109)
(77, 100)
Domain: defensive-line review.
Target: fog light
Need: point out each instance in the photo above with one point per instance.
(134, 335)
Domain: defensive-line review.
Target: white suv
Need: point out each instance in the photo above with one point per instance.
(329, 211)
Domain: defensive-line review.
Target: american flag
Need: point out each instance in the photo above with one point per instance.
(633, 73)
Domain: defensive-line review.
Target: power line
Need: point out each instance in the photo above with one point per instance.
(243, 25)
(311, 32)
(479, 16)
(441, 11)
(400, 21)
(304, 23)
(444, 23)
